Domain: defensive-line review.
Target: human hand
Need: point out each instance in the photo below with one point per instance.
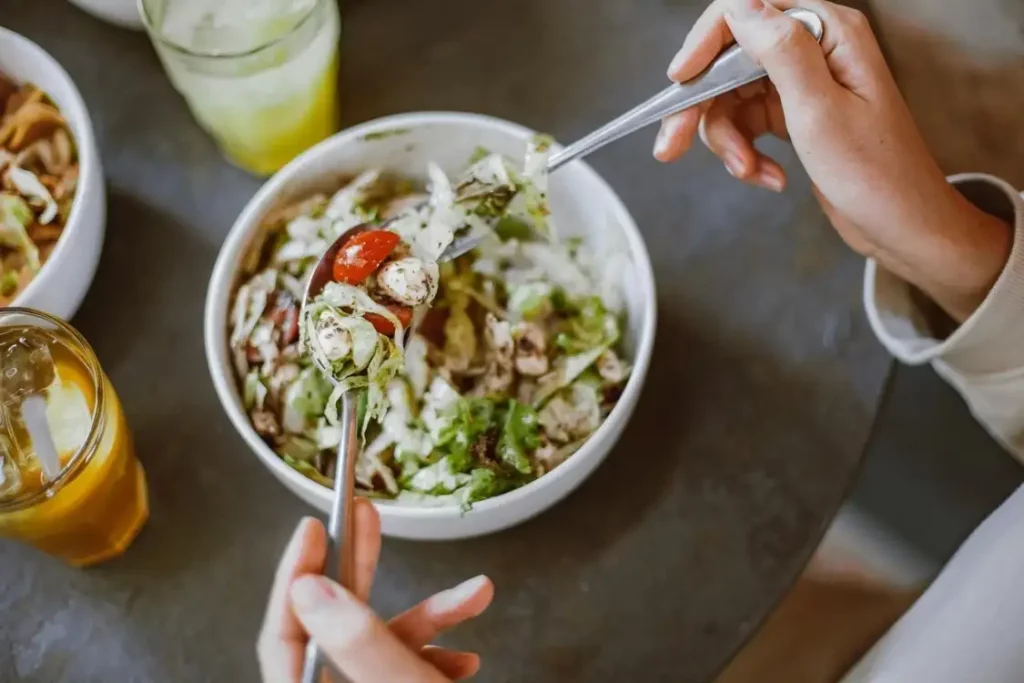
(362, 646)
(839, 105)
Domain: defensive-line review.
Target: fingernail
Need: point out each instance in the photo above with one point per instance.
(661, 142)
(677, 61)
(772, 180)
(451, 599)
(311, 593)
(733, 164)
(745, 10)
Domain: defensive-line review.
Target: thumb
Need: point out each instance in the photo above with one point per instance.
(783, 46)
(347, 631)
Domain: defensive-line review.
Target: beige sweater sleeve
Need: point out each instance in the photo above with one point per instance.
(984, 357)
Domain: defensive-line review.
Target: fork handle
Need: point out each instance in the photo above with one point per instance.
(340, 563)
(730, 70)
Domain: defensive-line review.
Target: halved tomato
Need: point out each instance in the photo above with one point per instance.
(385, 326)
(362, 254)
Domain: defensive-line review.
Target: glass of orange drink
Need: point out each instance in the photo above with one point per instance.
(70, 483)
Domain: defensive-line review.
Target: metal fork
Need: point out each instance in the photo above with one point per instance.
(730, 70)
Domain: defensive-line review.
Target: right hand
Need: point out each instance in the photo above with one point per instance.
(360, 644)
(839, 105)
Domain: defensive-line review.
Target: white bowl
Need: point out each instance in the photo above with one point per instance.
(582, 203)
(123, 13)
(58, 288)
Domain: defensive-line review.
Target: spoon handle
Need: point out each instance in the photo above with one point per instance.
(730, 70)
(340, 562)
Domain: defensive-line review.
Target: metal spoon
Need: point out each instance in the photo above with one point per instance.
(340, 559)
(730, 70)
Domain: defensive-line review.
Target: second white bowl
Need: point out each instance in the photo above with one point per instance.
(61, 284)
(583, 205)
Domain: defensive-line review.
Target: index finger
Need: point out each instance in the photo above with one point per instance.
(710, 34)
(282, 639)
(705, 40)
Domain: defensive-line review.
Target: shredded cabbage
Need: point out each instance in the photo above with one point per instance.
(355, 301)
(29, 185)
(15, 217)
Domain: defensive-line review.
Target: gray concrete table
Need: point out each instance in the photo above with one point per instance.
(757, 408)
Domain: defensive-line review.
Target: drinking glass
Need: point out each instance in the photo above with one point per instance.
(260, 75)
(70, 483)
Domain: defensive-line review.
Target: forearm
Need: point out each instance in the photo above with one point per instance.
(959, 256)
(980, 284)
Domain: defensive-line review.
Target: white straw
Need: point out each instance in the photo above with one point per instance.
(33, 412)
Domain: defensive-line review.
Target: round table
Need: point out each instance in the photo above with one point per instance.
(755, 415)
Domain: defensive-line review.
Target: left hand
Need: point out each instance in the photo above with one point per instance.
(361, 646)
(839, 105)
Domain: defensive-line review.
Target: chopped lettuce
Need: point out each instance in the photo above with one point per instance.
(532, 301)
(513, 228)
(384, 367)
(438, 410)
(306, 469)
(299, 448)
(565, 371)
(26, 182)
(439, 479)
(478, 154)
(485, 483)
(589, 326)
(353, 301)
(519, 437)
(15, 217)
(416, 368)
(469, 419)
(250, 303)
(348, 207)
(304, 401)
(445, 218)
(338, 342)
(8, 282)
(254, 392)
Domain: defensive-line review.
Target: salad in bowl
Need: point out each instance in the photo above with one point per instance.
(477, 375)
(499, 380)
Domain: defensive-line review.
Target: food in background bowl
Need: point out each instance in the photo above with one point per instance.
(512, 366)
(38, 180)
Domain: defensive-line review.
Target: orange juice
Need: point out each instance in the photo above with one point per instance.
(90, 506)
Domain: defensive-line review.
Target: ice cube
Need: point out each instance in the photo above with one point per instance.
(69, 417)
(26, 366)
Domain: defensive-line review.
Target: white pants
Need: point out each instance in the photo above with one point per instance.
(968, 627)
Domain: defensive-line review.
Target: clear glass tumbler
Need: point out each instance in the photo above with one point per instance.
(69, 480)
(260, 75)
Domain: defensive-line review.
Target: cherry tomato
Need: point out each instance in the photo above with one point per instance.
(383, 325)
(285, 315)
(362, 254)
